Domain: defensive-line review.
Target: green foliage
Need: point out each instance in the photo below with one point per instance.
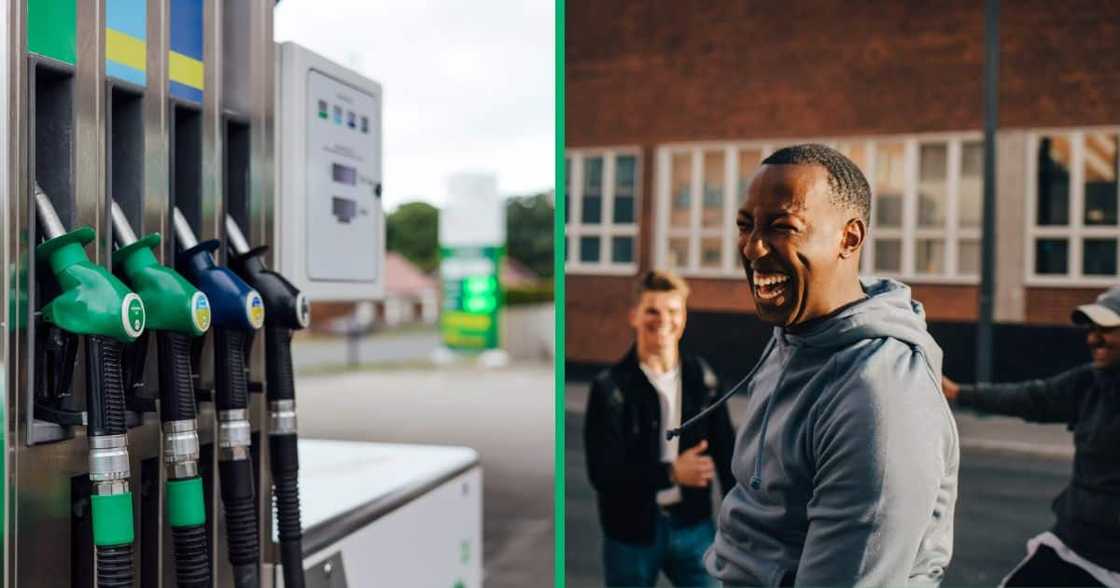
(529, 232)
(413, 231)
(529, 294)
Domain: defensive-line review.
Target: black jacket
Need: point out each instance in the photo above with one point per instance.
(622, 440)
(1088, 401)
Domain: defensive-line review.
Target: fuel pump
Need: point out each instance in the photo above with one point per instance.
(288, 310)
(177, 312)
(95, 304)
(237, 311)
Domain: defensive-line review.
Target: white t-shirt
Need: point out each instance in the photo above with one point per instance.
(668, 386)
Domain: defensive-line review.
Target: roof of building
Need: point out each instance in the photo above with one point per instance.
(402, 277)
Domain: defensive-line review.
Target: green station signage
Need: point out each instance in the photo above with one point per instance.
(472, 296)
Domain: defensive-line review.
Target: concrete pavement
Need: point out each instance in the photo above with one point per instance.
(505, 414)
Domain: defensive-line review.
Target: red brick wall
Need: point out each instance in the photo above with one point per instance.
(641, 72)
(1052, 306)
(596, 326)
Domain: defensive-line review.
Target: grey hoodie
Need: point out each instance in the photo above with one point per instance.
(846, 467)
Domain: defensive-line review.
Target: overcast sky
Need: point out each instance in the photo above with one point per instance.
(469, 85)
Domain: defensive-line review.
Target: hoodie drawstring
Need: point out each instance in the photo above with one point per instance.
(747, 378)
(756, 479)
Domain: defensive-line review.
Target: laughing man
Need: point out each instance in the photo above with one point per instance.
(846, 466)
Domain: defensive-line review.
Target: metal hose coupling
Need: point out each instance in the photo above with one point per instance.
(108, 464)
(234, 434)
(181, 448)
(282, 417)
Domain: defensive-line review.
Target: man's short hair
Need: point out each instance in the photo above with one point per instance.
(849, 186)
(660, 281)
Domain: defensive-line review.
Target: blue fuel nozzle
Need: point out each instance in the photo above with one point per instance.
(234, 304)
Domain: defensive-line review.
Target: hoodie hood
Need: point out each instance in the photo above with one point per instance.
(888, 311)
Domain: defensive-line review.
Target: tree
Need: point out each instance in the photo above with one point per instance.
(413, 231)
(529, 232)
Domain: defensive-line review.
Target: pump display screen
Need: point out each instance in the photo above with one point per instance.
(344, 174)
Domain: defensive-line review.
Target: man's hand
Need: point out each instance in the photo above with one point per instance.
(693, 469)
(950, 388)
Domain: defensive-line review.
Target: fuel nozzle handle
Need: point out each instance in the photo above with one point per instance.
(238, 311)
(97, 305)
(178, 312)
(287, 310)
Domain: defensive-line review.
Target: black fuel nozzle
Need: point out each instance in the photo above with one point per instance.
(288, 309)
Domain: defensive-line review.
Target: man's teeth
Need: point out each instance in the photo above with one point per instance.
(761, 279)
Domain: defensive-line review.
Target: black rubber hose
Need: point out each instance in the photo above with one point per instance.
(284, 462)
(232, 391)
(284, 457)
(278, 371)
(114, 566)
(176, 387)
(105, 401)
(192, 556)
(239, 502)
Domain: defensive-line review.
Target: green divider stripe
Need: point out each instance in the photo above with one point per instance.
(112, 519)
(185, 507)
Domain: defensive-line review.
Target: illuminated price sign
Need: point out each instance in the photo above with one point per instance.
(472, 297)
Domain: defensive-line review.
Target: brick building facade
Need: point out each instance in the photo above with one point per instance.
(670, 106)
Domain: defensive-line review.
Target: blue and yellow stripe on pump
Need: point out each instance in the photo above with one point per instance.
(186, 71)
(126, 33)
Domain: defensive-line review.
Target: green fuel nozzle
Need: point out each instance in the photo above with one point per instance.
(288, 309)
(97, 305)
(177, 312)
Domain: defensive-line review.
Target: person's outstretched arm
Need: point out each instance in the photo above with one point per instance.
(1053, 400)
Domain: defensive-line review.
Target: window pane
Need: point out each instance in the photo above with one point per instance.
(622, 249)
(888, 255)
(856, 152)
(711, 252)
(681, 196)
(1051, 256)
(971, 198)
(625, 173)
(890, 180)
(592, 213)
(567, 189)
(932, 192)
(589, 249)
(1098, 257)
(1100, 179)
(678, 253)
(930, 256)
(711, 210)
(1053, 181)
(968, 257)
(748, 164)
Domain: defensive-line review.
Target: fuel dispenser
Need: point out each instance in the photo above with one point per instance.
(131, 379)
(238, 312)
(96, 305)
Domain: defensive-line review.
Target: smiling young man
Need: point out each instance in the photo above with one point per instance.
(1083, 547)
(654, 495)
(846, 466)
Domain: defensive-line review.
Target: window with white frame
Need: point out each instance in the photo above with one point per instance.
(926, 194)
(601, 210)
(1073, 230)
